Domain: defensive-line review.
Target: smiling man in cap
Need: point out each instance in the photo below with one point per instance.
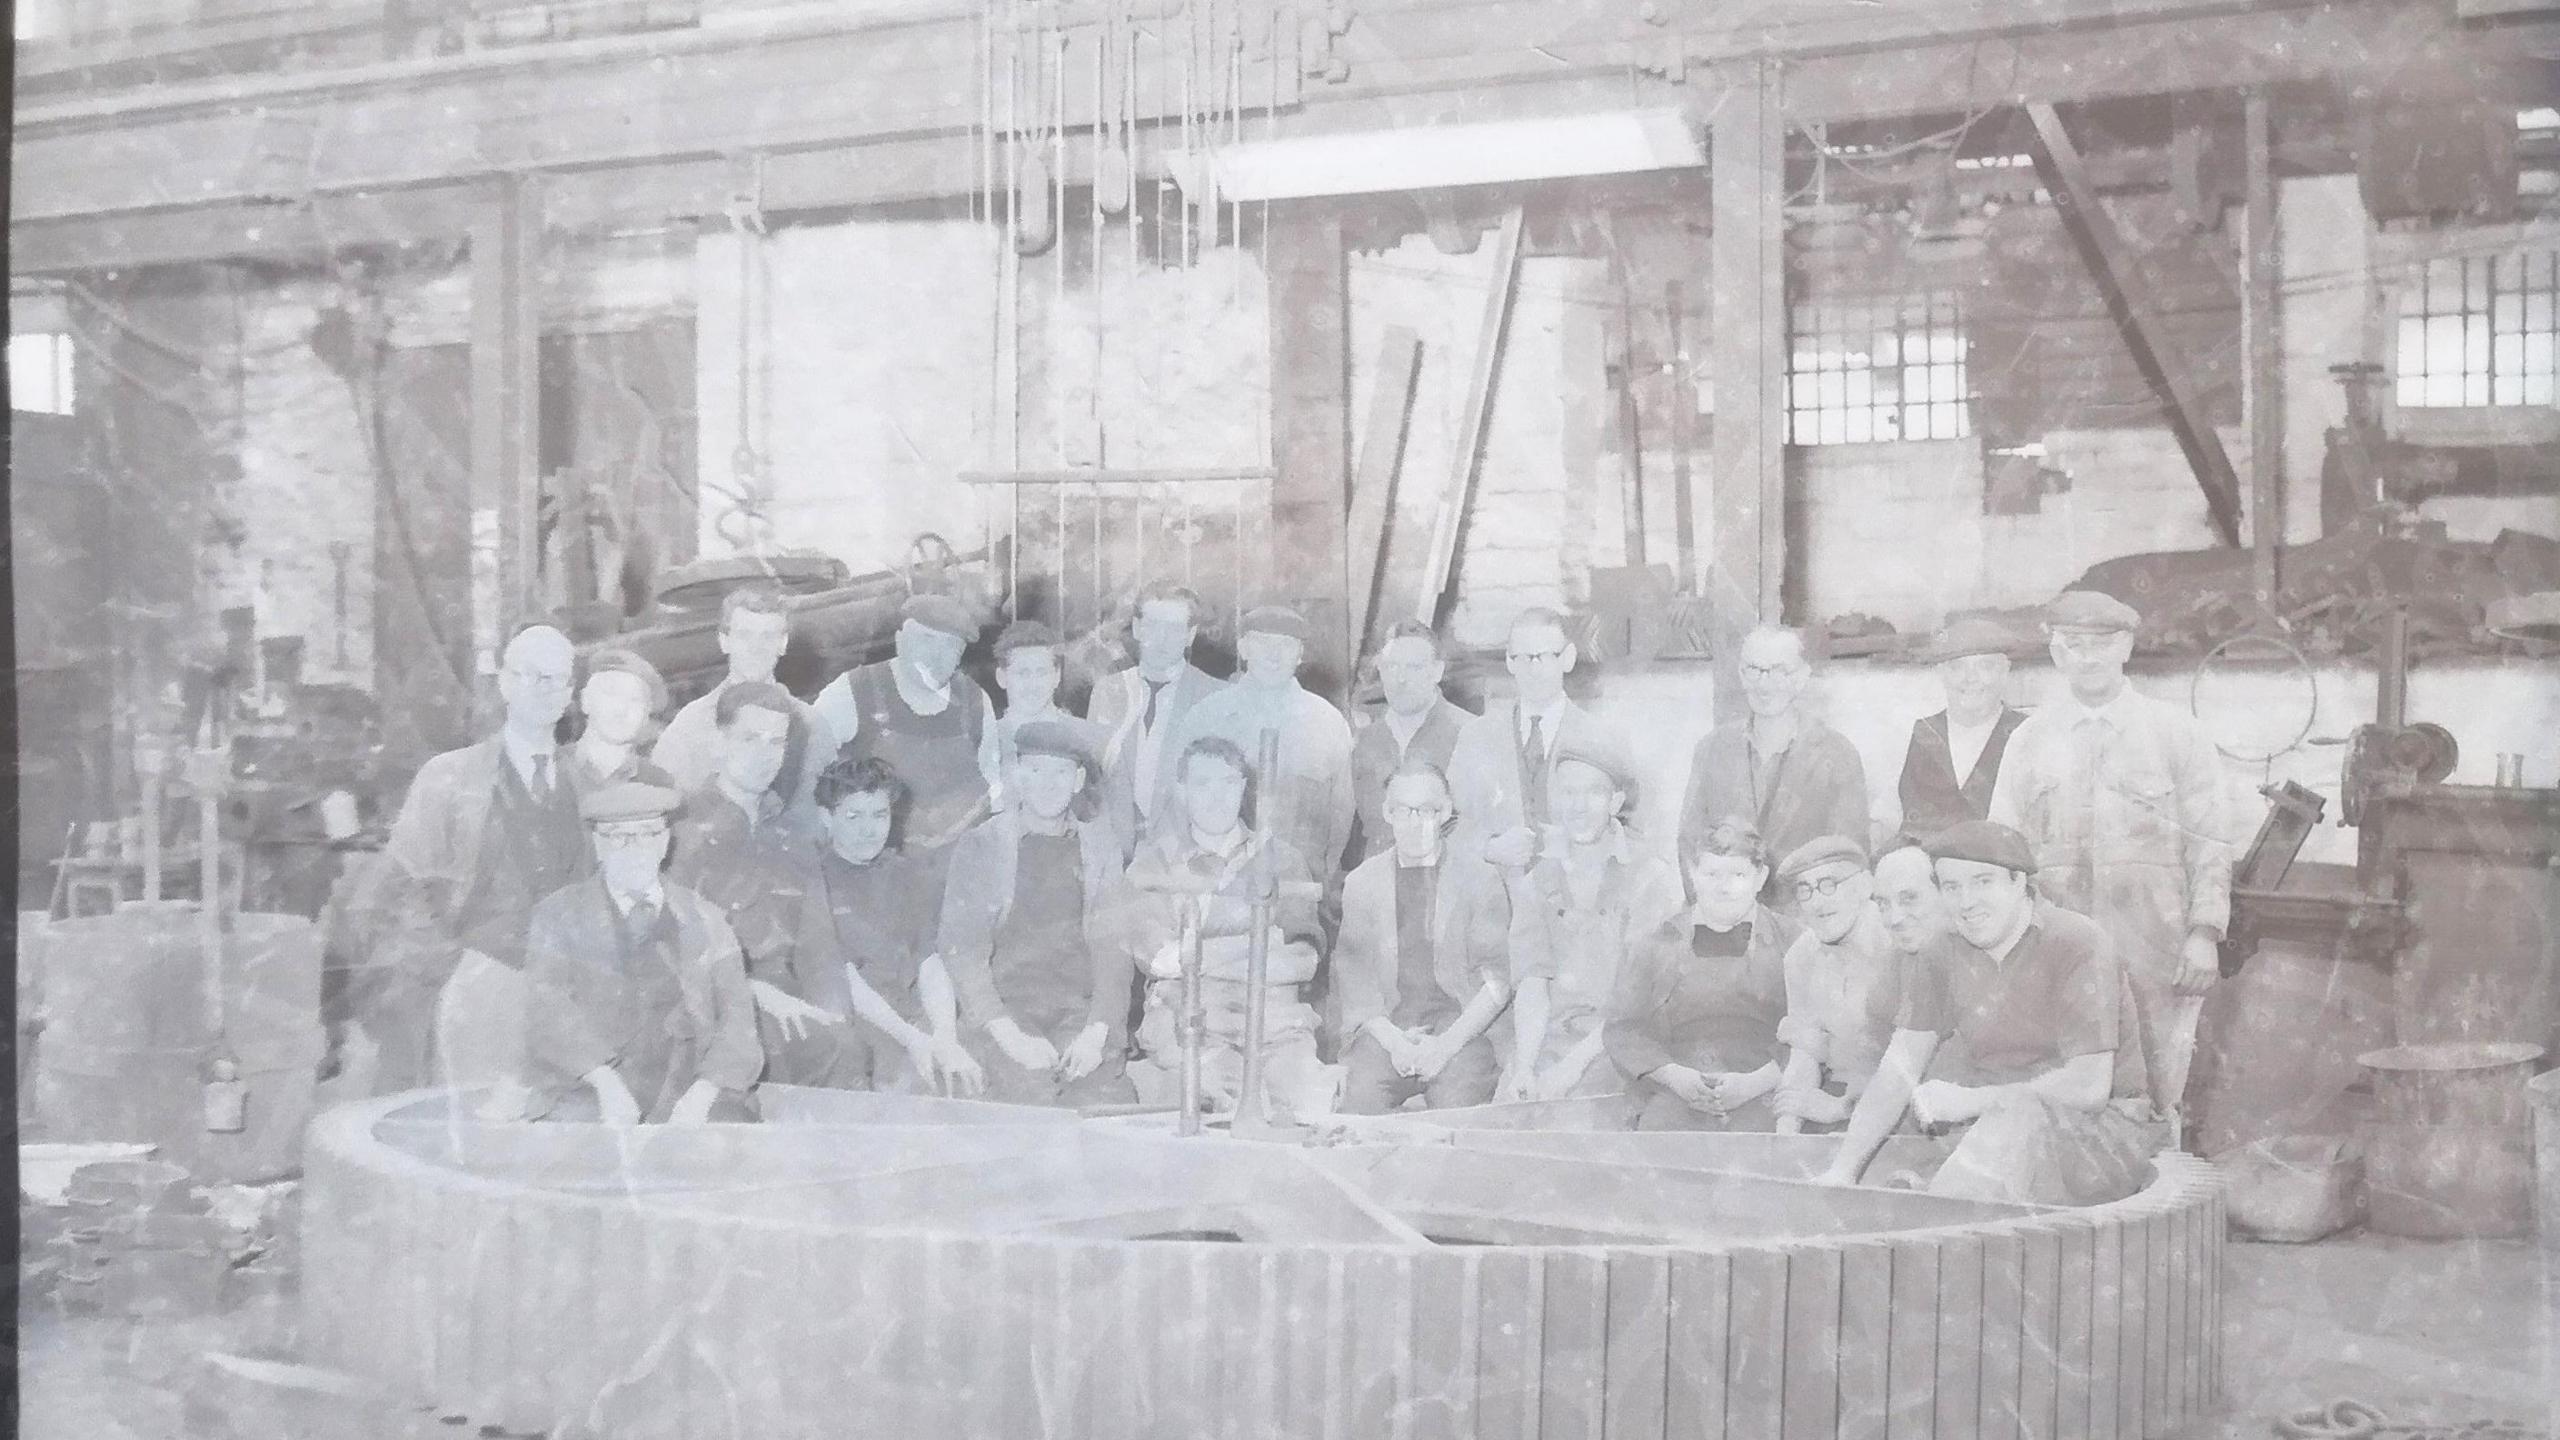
(1954, 760)
(1842, 981)
(2010, 1038)
(640, 1010)
(2122, 798)
(1312, 798)
(925, 719)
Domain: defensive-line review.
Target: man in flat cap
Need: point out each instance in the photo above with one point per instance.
(1417, 726)
(755, 630)
(1204, 840)
(1575, 911)
(1841, 982)
(1025, 930)
(484, 834)
(623, 694)
(2010, 1039)
(1793, 777)
(1311, 796)
(1142, 708)
(1500, 765)
(927, 720)
(2122, 798)
(640, 1010)
(1954, 758)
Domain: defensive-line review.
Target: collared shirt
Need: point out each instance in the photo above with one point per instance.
(1764, 762)
(2001, 1022)
(523, 753)
(655, 897)
(1549, 716)
(1842, 998)
(1404, 727)
(1965, 743)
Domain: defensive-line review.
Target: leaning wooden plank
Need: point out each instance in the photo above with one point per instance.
(1866, 1339)
(1813, 1343)
(1639, 1329)
(2003, 1347)
(1571, 1395)
(1373, 475)
(1441, 561)
(1756, 1353)
(1701, 1301)
(1911, 1369)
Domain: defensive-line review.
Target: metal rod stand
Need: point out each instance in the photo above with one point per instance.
(1195, 1019)
(1251, 1115)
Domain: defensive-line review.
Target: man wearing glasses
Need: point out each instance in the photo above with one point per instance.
(1500, 765)
(1418, 725)
(1841, 982)
(2009, 1041)
(1423, 965)
(485, 833)
(2121, 797)
(1793, 777)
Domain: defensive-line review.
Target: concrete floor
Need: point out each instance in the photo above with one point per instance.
(2436, 1332)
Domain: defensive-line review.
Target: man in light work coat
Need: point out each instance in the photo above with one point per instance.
(1418, 725)
(926, 720)
(1141, 709)
(1499, 768)
(1954, 759)
(1793, 777)
(640, 1010)
(1311, 799)
(755, 630)
(1423, 966)
(2121, 798)
(2010, 1039)
(485, 834)
(1842, 982)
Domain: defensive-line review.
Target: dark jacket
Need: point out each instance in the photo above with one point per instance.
(1933, 797)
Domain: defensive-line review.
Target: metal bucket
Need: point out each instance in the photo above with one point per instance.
(2450, 1149)
(128, 1039)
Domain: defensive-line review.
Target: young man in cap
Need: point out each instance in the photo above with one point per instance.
(1418, 726)
(2010, 1035)
(1030, 662)
(875, 909)
(640, 1007)
(927, 720)
(755, 630)
(1841, 981)
(1575, 911)
(623, 694)
(1501, 763)
(1141, 708)
(1311, 795)
(1025, 934)
(2121, 796)
(740, 845)
(1795, 778)
(485, 833)
(1423, 966)
(1693, 1020)
(1954, 758)
(1205, 836)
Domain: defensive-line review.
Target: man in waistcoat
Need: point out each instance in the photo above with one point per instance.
(1954, 759)
(926, 720)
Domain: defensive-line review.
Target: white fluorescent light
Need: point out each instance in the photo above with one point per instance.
(1432, 156)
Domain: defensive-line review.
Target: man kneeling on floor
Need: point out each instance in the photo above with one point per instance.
(2007, 1040)
(639, 1009)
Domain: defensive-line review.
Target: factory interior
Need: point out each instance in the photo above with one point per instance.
(1883, 682)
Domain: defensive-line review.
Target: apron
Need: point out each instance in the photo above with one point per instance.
(936, 755)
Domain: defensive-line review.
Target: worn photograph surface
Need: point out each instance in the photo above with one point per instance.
(1332, 719)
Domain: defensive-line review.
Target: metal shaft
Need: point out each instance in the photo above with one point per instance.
(1250, 1114)
(1195, 1018)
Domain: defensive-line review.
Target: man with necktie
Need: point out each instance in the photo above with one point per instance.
(1139, 709)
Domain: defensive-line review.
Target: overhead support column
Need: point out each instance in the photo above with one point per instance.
(1311, 433)
(1748, 354)
(2156, 353)
(506, 329)
(2262, 380)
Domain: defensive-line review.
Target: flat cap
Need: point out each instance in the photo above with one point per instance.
(1068, 739)
(941, 612)
(630, 800)
(627, 661)
(1603, 757)
(1274, 620)
(2091, 610)
(1819, 851)
(1969, 635)
(1985, 842)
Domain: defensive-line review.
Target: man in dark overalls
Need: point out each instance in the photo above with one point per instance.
(638, 1002)
(929, 723)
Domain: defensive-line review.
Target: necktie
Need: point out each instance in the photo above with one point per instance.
(1155, 691)
(644, 917)
(541, 777)
(1536, 747)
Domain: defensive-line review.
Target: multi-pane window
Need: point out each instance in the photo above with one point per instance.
(40, 373)
(2479, 329)
(1878, 369)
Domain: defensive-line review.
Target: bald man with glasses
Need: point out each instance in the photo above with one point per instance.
(1792, 777)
